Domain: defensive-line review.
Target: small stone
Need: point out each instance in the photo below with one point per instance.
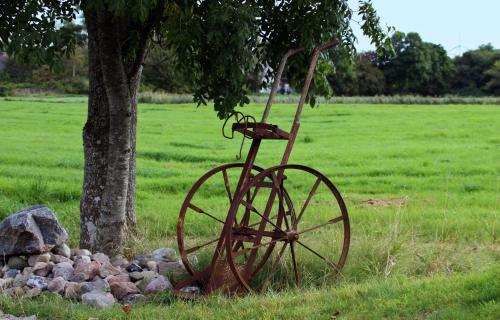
(6, 283)
(82, 259)
(192, 289)
(78, 277)
(37, 282)
(81, 252)
(101, 258)
(57, 285)
(133, 267)
(152, 265)
(173, 270)
(64, 270)
(58, 259)
(72, 290)
(119, 261)
(134, 298)
(148, 276)
(42, 269)
(11, 273)
(122, 289)
(33, 292)
(28, 271)
(20, 280)
(122, 277)
(159, 284)
(165, 254)
(136, 275)
(99, 300)
(107, 269)
(99, 285)
(16, 262)
(62, 250)
(33, 259)
(86, 270)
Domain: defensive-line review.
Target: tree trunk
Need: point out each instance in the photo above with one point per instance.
(107, 207)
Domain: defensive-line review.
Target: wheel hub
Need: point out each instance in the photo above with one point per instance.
(292, 236)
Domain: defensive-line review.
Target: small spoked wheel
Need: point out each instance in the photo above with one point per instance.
(299, 224)
(203, 214)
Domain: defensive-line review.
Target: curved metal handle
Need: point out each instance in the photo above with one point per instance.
(310, 73)
(277, 80)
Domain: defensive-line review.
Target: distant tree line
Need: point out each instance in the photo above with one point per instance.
(421, 68)
(416, 67)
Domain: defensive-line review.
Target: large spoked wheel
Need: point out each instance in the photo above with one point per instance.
(203, 213)
(310, 235)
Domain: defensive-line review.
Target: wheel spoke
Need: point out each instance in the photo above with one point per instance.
(226, 185)
(199, 210)
(332, 221)
(257, 223)
(239, 253)
(329, 262)
(198, 247)
(311, 194)
(252, 208)
(274, 267)
(281, 209)
(294, 263)
(257, 188)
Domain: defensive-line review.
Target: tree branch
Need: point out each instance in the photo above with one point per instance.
(153, 19)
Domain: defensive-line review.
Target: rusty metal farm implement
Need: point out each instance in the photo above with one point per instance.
(263, 221)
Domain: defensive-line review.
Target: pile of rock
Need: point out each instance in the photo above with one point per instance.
(46, 263)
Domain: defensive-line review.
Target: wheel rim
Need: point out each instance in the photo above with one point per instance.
(311, 224)
(204, 213)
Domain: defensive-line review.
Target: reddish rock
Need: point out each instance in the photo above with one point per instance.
(72, 290)
(87, 271)
(122, 277)
(122, 289)
(108, 270)
(100, 257)
(42, 269)
(63, 269)
(34, 259)
(58, 259)
(57, 285)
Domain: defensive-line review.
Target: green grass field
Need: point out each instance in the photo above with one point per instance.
(427, 245)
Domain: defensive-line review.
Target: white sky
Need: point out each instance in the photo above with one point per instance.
(458, 25)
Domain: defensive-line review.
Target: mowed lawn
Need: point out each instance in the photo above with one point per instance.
(421, 183)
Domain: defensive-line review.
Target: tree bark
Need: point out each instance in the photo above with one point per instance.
(107, 206)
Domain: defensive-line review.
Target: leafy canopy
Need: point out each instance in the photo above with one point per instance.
(218, 42)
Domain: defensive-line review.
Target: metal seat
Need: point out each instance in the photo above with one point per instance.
(260, 130)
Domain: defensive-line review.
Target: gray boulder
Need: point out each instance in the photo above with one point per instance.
(98, 285)
(30, 231)
(99, 300)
